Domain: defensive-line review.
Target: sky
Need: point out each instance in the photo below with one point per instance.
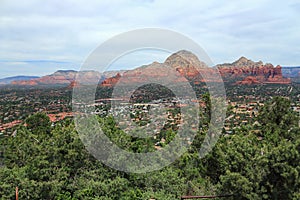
(38, 37)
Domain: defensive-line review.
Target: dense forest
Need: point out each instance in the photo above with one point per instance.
(259, 161)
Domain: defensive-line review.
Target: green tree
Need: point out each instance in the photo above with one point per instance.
(38, 123)
(277, 116)
(260, 168)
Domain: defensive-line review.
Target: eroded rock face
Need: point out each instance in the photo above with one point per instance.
(59, 77)
(252, 72)
(111, 81)
(185, 63)
(63, 77)
(249, 80)
(187, 67)
(242, 71)
(27, 82)
(73, 84)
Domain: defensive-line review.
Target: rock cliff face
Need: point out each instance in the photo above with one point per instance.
(67, 77)
(252, 72)
(186, 63)
(63, 77)
(111, 81)
(73, 84)
(242, 71)
(25, 82)
(59, 77)
(188, 66)
(9, 80)
(249, 80)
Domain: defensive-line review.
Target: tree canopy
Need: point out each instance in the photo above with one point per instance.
(51, 162)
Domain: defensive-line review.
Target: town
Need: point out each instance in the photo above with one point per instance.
(243, 105)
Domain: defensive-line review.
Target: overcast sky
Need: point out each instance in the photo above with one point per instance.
(40, 37)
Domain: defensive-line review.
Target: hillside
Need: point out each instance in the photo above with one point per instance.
(9, 80)
(245, 71)
(242, 71)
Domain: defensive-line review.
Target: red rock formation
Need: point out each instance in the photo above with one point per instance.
(63, 77)
(186, 64)
(59, 77)
(242, 71)
(27, 82)
(109, 82)
(249, 80)
(247, 69)
(276, 76)
(73, 84)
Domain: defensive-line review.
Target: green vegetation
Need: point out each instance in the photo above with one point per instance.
(258, 161)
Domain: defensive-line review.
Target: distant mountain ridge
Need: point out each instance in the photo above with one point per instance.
(291, 72)
(184, 62)
(9, 80)
(245, 71)
(241, 62)
(241, 71)
(66, 77)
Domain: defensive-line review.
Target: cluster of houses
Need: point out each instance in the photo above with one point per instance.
(240, 114)
(16, 106)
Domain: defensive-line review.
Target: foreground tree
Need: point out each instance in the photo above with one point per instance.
(264, 166)
(48, 162)
(38, 123)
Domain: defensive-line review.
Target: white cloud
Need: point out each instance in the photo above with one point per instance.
(70, 30)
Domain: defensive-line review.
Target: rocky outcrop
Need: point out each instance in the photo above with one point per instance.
(242, 71)
(188, 66)
(186, 63)
(249, 80)
(109, 82)
(252, 72)
(59, 77)
(25, 82)
(9, 80)
(73, 84)
(64, 77)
